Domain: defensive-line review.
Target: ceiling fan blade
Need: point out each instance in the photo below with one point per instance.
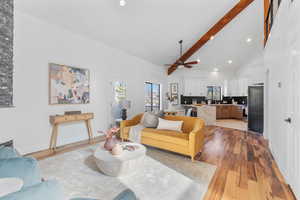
(167, 65)
(191, 63)
(188, 66)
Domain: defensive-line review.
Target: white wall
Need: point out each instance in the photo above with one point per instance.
(254, 71)
(282, 56)
(36, 44)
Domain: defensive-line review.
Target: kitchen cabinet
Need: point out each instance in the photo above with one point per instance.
(228, 111)
(237, 87)
(194, 87)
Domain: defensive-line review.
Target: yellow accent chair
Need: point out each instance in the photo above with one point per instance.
(188, 142)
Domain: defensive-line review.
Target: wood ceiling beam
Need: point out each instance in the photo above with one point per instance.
(236, 10)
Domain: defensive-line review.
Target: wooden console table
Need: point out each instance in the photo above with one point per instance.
(55, 120)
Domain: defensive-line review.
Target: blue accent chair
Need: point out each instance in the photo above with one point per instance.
(12, 165)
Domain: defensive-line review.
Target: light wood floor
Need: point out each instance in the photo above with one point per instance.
(246, 170)
(232, 123)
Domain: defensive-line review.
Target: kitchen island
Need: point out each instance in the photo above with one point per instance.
(229, 111)
(210, 113)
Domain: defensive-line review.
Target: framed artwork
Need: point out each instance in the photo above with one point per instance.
(174, 88)
(119, 91)
(68, 85)
(174, 93)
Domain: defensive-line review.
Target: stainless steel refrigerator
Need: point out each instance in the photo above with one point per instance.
(256, 109)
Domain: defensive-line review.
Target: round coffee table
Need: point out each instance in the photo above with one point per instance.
(124, 164)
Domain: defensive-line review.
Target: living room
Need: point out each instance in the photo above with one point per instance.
(127, 64)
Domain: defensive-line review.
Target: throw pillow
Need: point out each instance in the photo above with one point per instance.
(149, 120)
(48, 190)
(170, 125)
(23, 168)
(10, 185)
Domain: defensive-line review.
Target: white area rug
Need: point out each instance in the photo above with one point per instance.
(164, 176)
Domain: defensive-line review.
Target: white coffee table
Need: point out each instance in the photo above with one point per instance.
(120, 165)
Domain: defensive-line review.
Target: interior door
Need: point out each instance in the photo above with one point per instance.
(293, 124)
(256, 109)
(293, 108)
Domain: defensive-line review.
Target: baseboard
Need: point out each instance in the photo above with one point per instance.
(39, 155)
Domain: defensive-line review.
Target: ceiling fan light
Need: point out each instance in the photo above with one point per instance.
(180, 66)
(122, 2)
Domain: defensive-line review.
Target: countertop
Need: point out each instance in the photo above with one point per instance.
(196, 105)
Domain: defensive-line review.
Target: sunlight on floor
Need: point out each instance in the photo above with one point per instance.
(232, 123)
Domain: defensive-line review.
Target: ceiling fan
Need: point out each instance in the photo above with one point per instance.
(181, 64)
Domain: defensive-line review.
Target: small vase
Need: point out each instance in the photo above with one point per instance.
(117, 150)
(110, 143)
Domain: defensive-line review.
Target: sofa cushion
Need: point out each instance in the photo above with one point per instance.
(167, 136)
(23, 168)
(48, 190)
(10, 185)
(8, 152)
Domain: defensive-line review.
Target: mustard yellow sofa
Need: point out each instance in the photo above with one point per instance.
(189, 142)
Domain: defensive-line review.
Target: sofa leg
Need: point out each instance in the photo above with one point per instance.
(193, 158)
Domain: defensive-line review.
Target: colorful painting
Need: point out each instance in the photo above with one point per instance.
(68, 85)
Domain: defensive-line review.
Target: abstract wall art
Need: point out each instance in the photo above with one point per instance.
(6, 53)
(68, 85)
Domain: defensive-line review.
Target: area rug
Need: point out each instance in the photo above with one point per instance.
(164, 176)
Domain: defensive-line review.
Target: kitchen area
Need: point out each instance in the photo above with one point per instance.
(217, 98)
(222, 111)
(224, 98)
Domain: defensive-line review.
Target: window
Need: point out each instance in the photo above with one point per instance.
(152, 96)
(214, 93)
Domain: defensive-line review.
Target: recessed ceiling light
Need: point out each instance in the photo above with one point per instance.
(216, 69)
(212, 37)
(229, 61)
(122, 2)
(249, 40)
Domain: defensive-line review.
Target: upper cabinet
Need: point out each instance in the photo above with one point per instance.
(237, 87)
(198, 87)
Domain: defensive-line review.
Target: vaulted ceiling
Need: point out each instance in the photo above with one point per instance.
(150, 29)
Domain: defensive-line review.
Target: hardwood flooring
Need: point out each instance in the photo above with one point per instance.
(40, 155)
(246, 169)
